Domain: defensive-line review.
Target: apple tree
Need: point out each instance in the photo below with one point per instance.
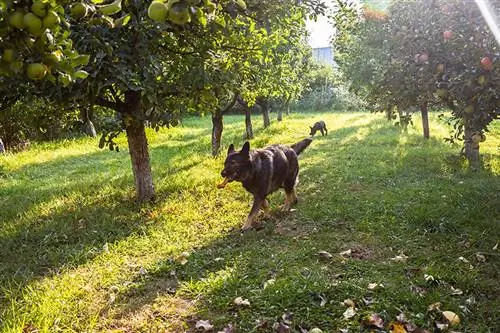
(145, 60)
(428, 53)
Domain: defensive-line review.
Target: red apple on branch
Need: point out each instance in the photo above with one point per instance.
(486, 63)
(447, 34)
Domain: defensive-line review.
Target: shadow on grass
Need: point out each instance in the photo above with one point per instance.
(353, 193)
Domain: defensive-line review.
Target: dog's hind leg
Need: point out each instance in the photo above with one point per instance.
(326, 131)
(290, 199)
(250, 222)
(265, 208)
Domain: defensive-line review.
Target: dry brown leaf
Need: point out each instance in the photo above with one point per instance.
(400, 258)
(325, 255)
(183, 258)
(241, 302)
(228, 329)
(269, 282)
(204, 324)
(456, 291)
(346, 253)
(281, 328)
(397, 328)
(349, 313)
(373, 320)
(462, 259)
(480, 257)
(348, 302)
(441, 326)
(372, 286)
(434, 306)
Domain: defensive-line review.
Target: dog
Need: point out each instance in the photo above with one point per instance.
(263, 171)
(318, 126)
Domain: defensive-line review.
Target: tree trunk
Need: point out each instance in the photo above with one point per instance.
(264, 104)
(88, 126)
(425, 119)
(217, 127)
(138, 146)
(471, 148)
(248, 124)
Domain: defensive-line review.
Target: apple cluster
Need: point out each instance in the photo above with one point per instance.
(36, 24)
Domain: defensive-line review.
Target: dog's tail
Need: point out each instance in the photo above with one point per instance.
(301, 145)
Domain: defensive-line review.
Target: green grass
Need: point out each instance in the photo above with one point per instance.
(78, 254)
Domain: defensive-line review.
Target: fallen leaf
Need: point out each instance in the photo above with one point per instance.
(421, 291)
(344, 330)
(429, 278)
(480, 257)
(400, 258)
(287, 317)
(372, 286)
(218, 259)
(346, 253)
(105, 247)
(368, 300)
(495, 247)
(183, 258)
(281, 328)
(401, 318)
(456, 291)
(441, 326)
(325, 255)
(373, 320)
(142, 271)
(269, 283)
(462, 259)
(204, 324)
(241, 302)
(348, 302)
(228, 329)
(350, 312)
(434, 306)
(470, 300)
(397, 328)
(323, 301)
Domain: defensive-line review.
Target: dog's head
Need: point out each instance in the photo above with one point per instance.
(238, 164)
(313, 130)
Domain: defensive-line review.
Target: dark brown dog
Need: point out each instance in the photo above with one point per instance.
(263, 171)
(319, 126)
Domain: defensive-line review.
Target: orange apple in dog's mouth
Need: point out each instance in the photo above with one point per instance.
(224, 183)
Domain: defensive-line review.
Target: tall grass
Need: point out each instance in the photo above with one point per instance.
(78, 254)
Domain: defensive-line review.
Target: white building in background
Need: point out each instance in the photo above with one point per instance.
(324, 55)
(320, 37)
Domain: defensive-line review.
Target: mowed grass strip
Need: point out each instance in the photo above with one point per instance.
(78, 254)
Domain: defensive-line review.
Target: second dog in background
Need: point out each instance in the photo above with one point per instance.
(319, 126)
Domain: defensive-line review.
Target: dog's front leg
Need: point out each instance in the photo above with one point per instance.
(250, 221)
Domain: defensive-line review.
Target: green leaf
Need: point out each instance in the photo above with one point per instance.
(80, 74)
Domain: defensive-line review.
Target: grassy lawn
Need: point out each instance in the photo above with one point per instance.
(77, 254)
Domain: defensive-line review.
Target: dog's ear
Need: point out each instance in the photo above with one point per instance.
(231, 149)
(246, 148)
(310, 127)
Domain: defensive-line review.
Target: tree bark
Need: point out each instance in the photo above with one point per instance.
(217, 128)
(248, 124)
(425, 119)
(88, 126)
(471, 148)
(138, 146)
(264, 104)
